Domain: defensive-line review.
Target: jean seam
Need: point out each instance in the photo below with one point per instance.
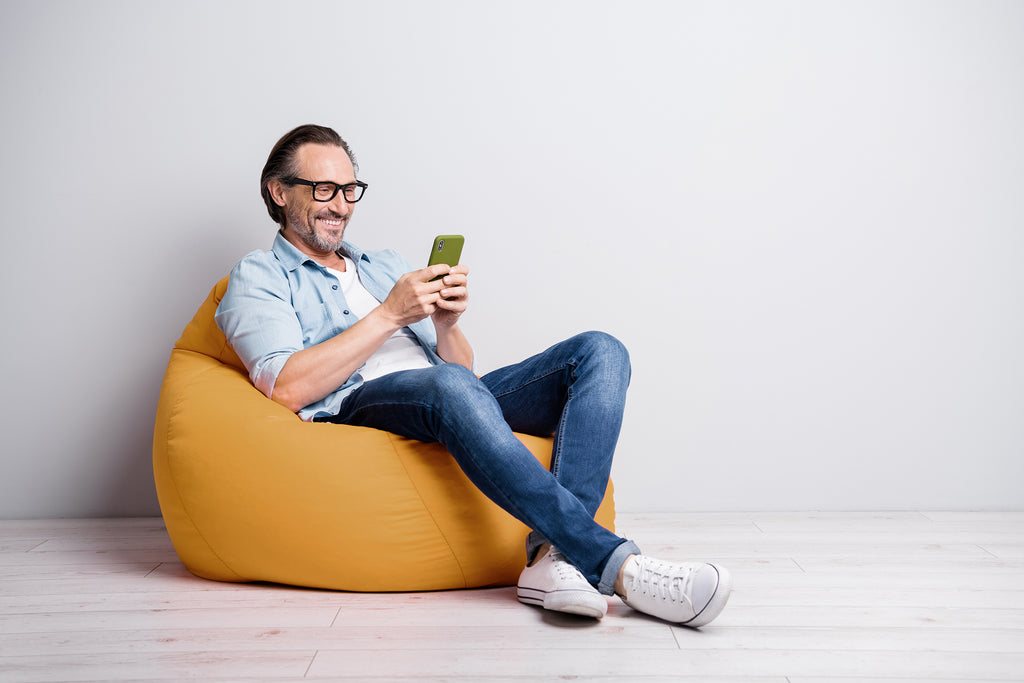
(515, 511)
(536, 378)
(556, 452)
(570, 363)
(455, 433)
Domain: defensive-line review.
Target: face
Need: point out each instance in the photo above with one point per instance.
(319, 226)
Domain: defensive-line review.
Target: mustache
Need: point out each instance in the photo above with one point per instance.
(332, 215)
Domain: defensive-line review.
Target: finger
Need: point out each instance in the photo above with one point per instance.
(455, 280)
(437, 270)
(453, 305)
(445, 291)
(454, 294)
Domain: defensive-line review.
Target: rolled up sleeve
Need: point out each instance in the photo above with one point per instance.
(258, 319)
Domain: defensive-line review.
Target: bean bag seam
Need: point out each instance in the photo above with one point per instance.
(426, 507)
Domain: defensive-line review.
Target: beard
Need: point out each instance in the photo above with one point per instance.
(305, 228)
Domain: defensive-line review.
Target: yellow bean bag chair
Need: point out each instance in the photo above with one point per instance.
(249, 492)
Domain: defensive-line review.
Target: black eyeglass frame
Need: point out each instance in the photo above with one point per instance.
(313, 184)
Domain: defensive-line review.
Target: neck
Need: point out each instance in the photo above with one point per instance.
(329, 259)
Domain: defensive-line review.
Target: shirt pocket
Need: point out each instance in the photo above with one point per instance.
(316, 324)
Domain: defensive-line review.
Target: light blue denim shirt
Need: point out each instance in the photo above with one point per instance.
(281, 301)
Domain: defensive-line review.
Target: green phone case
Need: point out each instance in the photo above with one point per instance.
(446, 249)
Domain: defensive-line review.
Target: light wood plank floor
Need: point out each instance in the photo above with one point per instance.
(936, 596)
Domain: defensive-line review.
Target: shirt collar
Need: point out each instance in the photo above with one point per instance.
(291, 258)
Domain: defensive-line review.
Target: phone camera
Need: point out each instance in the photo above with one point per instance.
(440, 245)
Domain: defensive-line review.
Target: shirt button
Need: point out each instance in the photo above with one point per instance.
(334, 286)
(345, 312)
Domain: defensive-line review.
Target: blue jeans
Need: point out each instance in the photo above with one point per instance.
(575, 390)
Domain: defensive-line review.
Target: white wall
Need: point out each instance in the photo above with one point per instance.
(803, 218)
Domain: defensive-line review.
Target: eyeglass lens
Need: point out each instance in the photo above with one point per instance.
(326, 191)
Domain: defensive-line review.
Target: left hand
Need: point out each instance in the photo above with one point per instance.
(453, 297)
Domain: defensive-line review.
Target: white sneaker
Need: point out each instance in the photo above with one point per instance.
(555, 584)
(686, 594)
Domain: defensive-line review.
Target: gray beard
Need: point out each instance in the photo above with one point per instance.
(310, 237)
(317, 242)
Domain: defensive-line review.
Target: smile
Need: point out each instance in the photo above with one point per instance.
(330, 221)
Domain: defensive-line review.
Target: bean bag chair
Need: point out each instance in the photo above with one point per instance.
(249, 492)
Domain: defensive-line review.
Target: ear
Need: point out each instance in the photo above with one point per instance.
(277, 188)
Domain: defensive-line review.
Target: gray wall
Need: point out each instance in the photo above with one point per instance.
(803, 218)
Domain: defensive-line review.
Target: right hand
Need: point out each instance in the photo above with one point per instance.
(414, 297)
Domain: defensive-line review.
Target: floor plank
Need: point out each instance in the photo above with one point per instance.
(265, 664)
(587, 664)
(819, 597)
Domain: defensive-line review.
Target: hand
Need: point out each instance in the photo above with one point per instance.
(414, 297)
(454, 297)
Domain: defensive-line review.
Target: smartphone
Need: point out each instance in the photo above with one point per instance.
(446, 249)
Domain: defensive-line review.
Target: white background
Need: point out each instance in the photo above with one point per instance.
(804, 219)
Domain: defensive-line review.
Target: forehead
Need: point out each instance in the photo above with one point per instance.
(324, 162)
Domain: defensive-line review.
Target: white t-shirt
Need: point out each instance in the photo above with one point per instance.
(400, 352)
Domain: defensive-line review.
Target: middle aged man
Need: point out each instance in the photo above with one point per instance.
(343, 335)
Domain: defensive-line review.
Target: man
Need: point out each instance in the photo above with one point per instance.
(356, 337)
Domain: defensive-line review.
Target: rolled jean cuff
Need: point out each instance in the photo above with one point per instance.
(533, 543)
(614, 564)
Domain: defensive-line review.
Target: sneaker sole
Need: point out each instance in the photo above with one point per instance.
(572, 602)
(717, 602)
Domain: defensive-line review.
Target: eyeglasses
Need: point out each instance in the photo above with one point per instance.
(325, 190)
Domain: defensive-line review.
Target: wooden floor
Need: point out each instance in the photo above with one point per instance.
(902, 596)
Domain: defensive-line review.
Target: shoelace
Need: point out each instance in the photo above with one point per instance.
(566, 569)
(663, 581)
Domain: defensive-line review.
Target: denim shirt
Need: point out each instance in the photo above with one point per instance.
(281, 301)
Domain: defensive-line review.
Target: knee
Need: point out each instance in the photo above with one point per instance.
(452, 376)
(603, 348)
(452, 382)
(459, 396)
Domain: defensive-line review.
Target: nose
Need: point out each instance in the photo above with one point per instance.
(339, 205)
